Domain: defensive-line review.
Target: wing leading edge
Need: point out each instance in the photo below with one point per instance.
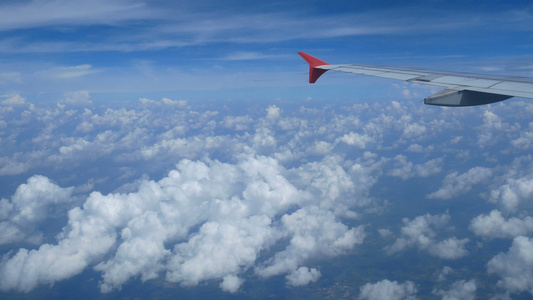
(461, 89)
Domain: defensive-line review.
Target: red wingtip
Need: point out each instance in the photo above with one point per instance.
(314, 62)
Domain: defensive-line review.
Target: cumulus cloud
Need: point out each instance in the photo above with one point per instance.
(455, 184)
(525, 141)
(459, 290)
(417, 148)
(356, 139)
(251, 196)
(239, 123)
(515, 268)
(385, 232)
(493, 127)
(451, 248)
(494, 225)
(514, 191)
(14, 100)
(28, 207)
(387, 289)
(273, 112)
(234, 208)
(312, 232)
(231, 283)
(420, 233)
(303, 276)
(405, 169)
(78, 98)
(443, 273)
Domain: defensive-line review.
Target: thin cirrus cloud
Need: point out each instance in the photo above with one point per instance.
(38, 13)
(173, 27)
(69, 72)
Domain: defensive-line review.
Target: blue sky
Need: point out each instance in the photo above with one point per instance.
(176, 150)
(106, 47)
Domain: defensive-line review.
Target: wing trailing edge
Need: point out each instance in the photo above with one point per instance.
(461, 89)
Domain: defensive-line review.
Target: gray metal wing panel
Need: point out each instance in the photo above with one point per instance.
(501, 85)
(466, 81)
(391, 73)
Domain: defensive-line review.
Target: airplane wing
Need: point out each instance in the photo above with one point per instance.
(461, 89)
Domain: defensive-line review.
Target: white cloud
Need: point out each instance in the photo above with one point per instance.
(312, 232)
(78, 98)
(240, 123)
(493, 127)
(419, 233)
(460, 290)
(266, 193)
(85, 242)
(164, 101)
(219, 250)
(303, 276)
(514, 192)
(406, 169)
(385, 232)
(414, 130)
(429, 168)
(387, 289)
(14, 100)
(455, 184)
(233, 206)
(443, 273)
(515, 267)
(356, 139)
(417, 148)
(12, 167)
(250, 55)
(140, 252)
(28, 207)
(273, 112)
(339, 188)
(231, 283)
(525, 141)
(495, 226)
(451, 248)
(45, 13)
(69, 72)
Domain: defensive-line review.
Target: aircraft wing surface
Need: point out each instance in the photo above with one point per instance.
(461, 89)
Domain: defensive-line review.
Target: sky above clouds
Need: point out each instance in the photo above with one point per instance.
(155, 149)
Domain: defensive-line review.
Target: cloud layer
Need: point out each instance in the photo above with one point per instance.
(269, 192)
(234, 207)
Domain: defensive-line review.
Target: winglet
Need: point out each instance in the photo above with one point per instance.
(314, 62)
